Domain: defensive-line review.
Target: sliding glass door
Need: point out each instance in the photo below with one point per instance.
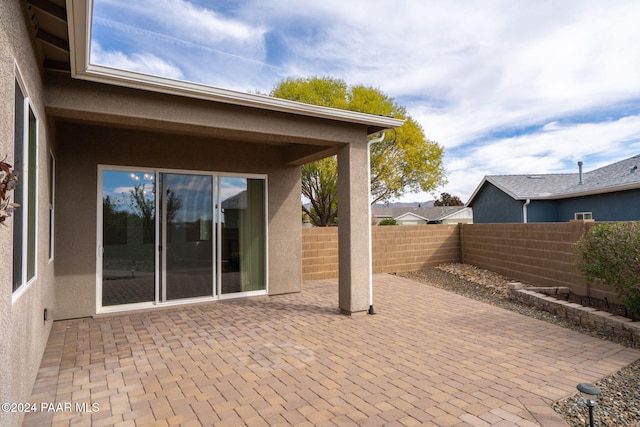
(128, 237)
(243, 249)
(168, 236)
(187, 236)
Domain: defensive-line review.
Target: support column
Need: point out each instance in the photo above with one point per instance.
(353, 228)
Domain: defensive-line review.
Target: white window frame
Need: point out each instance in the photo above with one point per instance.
(52, 203)
(583, 215)
(217, 295)
(26, 184)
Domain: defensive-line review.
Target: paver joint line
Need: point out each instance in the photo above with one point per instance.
(428, 357)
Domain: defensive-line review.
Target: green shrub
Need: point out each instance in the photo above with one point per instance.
(610, 253)
(388, 221)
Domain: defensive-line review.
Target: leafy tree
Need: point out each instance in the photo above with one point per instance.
(388, 221)
(447, 199)
(405, 161)
(114, 220)
(319, 185)
(610, 253)
(144, 207)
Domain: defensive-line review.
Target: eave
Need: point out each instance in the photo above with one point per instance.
(79, 18)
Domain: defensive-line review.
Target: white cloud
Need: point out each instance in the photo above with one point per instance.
(556, 80)
(139, 62)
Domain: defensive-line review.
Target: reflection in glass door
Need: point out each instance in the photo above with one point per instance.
(168, 236)
(243, 232)
(186, 226)
(128, 237)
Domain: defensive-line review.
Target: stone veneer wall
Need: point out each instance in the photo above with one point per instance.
(586, 316)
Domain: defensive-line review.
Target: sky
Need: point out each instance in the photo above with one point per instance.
(505, 86)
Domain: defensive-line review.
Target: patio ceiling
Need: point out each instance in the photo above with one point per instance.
(48, 18)
(61, 29)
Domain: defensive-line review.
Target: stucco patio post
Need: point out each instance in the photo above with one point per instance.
(353, 232)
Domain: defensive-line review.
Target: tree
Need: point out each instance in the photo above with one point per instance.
(143, 206)
(447, 199)
(320, 185)
(610, 254)
(405, 161)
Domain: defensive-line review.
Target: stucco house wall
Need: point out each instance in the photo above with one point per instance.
(23, 330)
(82, 147)
(85, 121)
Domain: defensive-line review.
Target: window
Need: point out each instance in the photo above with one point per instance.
(24, 221)
(583, 215)
(166, 236)
(52, 170)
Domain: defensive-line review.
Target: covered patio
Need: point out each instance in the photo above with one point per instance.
(428, 357)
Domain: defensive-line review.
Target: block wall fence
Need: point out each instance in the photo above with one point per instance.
(541, 254)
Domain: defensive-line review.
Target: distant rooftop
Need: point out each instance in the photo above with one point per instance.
(428, 213)
(619, 176)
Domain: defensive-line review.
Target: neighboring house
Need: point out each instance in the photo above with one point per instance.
(424, 215)
(139, 192)
(609, 193)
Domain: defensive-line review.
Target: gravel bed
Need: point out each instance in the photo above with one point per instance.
(619, 404)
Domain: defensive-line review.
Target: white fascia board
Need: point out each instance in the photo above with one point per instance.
(79, 13)
(410, 215)
(592, 192)
(487, 179)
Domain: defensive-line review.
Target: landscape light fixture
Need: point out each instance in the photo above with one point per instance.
(590, 395)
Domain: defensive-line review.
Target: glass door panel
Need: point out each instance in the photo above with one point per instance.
(128, 237)
(186, 230)
(243, 234)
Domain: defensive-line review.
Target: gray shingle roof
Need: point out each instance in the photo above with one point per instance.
(430, 213)
(622, 175)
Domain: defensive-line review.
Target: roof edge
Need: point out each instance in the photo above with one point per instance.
(79, 13)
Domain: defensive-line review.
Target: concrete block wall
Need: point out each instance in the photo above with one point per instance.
(414, 247)
(542, 254)
(395, 249)
(319, 253)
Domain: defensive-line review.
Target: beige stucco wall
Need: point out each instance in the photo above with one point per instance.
(85, 124)
(23, 332)
(83, 147)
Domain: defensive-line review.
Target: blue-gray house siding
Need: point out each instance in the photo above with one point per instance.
(618, 206)
(543, 211)
(493, 205)
(609, 193)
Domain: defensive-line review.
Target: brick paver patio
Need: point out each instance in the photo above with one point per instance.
(428, 357)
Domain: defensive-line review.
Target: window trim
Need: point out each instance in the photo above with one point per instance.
(30, 160)
(156, 303)
(582, 215)
(52, 204)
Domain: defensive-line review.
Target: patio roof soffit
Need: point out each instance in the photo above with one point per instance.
(79, 14)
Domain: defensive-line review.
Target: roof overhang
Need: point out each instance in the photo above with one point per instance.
(411, 215)
(569, 195)
(79, 15)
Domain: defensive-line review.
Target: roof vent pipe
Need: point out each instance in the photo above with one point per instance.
(580, 173)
